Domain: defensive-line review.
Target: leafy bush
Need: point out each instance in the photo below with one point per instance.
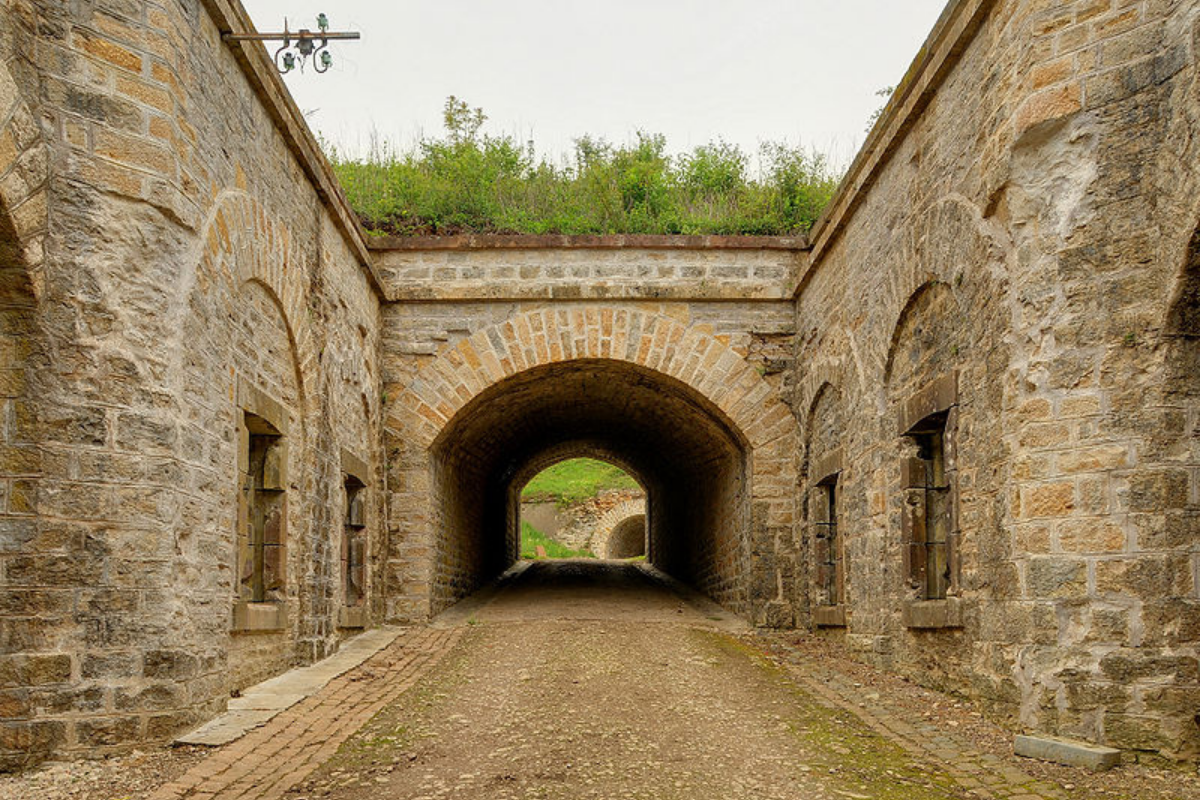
(471, 181)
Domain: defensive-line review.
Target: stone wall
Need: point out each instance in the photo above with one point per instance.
(1007, 272)
(989, 353)
(187, 255)
(491, 268)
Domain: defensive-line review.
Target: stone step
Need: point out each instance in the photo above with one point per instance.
(1067, 751)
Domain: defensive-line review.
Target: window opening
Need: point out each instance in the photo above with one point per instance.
(354, 542)
(931, 539)
(262, 523)
(828, 543)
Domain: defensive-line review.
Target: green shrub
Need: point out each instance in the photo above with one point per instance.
(472, 182)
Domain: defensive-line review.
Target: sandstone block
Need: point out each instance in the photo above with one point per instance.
(1049, 577)
(1048, 500)
(1091, 536)
(1050, 104)
(108, 731)
(1065, 751)
(112, 53)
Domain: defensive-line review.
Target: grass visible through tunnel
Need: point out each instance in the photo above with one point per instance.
(532, 538)
(573, 481)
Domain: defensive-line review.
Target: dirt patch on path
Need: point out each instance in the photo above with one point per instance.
(602, 679)
(565, 708)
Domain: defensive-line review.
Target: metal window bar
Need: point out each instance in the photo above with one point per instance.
(828, 547)
(937, 515)
(354, 543)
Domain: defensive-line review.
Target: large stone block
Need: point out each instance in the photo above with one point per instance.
(1069, 752)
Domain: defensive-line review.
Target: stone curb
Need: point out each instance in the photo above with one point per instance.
(260, 703)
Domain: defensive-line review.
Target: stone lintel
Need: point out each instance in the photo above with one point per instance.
(827, 465)
(1067, 751)
(829, 616)
(355, 467)
(931, 614)
(253, 617)
(934, 397)
(256, 401)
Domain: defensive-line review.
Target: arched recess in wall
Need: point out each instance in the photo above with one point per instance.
(614, 517)
(606, 360)
(824, 540)
(1182, 387)
(241, 242)
(950, 244)
(242, 350)
(1183, 317)
(925, 339)
(627, 539)
(23, 225)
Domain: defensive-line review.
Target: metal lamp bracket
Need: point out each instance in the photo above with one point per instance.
(298, 46)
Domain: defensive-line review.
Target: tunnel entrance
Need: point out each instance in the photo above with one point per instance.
(564, 507)
(679, 446)
(628, 538)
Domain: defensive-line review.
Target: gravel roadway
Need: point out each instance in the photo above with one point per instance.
(593, 679)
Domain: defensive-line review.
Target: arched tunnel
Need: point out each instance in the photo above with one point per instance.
(689, 457)
(628, 538)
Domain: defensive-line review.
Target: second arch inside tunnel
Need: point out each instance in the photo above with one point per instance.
(688, 456)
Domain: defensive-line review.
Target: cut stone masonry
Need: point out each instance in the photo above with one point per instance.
(958, 432)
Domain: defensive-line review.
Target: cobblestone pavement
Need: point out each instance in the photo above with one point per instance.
(269, 760)
(984, 774)
(937, 728)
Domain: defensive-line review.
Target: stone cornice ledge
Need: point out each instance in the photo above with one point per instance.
(231, 17)
(954, 31)
(586, 242)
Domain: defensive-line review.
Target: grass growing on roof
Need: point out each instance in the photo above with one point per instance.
(473, 182)
(575, 480)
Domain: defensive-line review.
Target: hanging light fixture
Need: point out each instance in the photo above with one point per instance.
(299, 46)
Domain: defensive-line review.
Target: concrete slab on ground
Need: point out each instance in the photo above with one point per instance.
(260, 703)
(1066, 751)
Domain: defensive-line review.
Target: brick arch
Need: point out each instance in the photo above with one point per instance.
(830, 386)
(24, 173)
(911, 308)
(431, 420)
(247, 244)
(830, 369)
(240, 242)
(951, 244)
(612, 518)
(566, 451)
(537, 338)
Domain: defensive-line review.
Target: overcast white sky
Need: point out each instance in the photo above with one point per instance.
(552, 70)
